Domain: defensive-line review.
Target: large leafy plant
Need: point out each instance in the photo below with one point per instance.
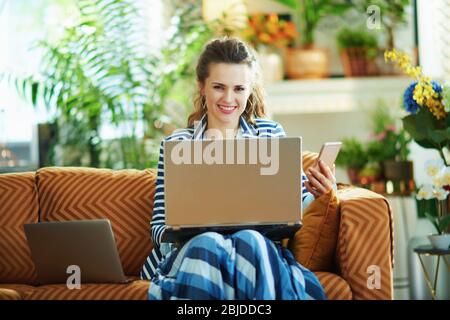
(308, 14)
(392, 14)
(102, 71)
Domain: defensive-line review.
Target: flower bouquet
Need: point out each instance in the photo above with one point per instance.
(428, 105)
(269, 34)
(268, 30)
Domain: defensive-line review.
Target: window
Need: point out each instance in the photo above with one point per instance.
(22, 23)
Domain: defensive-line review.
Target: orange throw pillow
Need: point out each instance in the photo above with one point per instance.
(314, 245)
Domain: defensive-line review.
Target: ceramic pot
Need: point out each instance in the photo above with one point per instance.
(272, 65)
(307, 63)
(440, 241)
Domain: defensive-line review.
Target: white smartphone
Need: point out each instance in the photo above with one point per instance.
(328, 153)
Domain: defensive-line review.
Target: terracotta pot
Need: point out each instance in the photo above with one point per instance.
(353, 175)
(307, 63)
(356, 63)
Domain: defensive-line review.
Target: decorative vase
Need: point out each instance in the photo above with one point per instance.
(440, 241)
(271, 64)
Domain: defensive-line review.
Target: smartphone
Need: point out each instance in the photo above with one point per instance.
(328, 153)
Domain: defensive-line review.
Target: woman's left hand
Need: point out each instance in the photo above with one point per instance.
(320, 179)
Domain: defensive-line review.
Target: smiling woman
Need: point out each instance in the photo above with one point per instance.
(226, 102)
(229, 86)
(245, 264)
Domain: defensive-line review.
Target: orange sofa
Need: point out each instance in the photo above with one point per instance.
(126, 198)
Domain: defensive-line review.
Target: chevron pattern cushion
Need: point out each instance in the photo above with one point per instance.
(136, 290)
(9, 294)
(335, 287)
(125, 197)
(15, 291)
(365, 244)
(308, 159)
(18, 205)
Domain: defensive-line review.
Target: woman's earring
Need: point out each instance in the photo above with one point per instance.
(203, 104)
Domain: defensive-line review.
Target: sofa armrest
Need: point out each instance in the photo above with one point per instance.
(364, 251)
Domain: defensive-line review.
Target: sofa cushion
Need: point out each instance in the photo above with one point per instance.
(308, 159)
(9, 294)
(136, 290)
(314, 245)
(125, 197)
(335, 287)
(366, 226)
(11, 291)
(18, 205)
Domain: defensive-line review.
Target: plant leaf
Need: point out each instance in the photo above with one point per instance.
(443, 223)
(433, 220)
(34, 92)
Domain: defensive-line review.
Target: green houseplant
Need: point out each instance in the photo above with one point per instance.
(389, 148)
(358, 50)
(102, 71)
(306, 60)
(353, 157)
(392, 13)
(386, 15)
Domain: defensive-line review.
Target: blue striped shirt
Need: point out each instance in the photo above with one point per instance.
(263, 128)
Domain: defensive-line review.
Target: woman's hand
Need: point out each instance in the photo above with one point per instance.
(320, 181)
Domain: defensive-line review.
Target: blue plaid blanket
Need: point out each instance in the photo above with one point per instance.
(244, 265)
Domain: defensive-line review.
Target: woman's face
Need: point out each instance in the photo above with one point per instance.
(226, 91)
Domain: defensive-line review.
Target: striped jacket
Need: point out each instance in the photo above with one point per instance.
(263, 128)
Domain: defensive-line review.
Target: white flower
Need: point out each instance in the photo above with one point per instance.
(438, 181)
(432, 167)
(425, 193)
(440, 194)
(445, 176)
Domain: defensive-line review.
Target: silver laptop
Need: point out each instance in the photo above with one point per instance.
(230, 185)
(58, 249)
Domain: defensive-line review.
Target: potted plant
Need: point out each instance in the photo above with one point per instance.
(99, 73)
(358, 50)
(353, 157)
(269, 34)
(389, 146)
(392, 13)
(427, 104)
(306, 60)
(438, 190)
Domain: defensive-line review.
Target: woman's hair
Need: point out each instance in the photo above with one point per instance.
(229, 50)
